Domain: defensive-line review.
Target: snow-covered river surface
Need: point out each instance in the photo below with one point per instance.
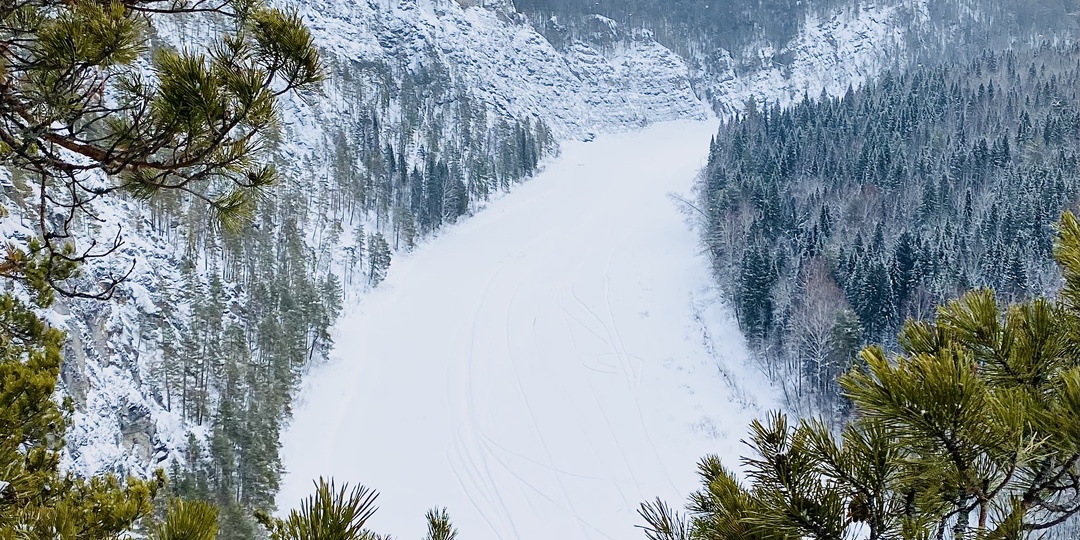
(543, 367)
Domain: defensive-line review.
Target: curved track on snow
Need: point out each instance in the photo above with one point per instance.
(541, 368)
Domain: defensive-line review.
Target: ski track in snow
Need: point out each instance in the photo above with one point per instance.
(539, 369)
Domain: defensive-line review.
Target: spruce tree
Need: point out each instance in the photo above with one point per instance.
(378, 258)
(754, 296)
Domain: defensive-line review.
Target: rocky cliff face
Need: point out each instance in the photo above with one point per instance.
(827, 55)
(495, 57)
(431, 79)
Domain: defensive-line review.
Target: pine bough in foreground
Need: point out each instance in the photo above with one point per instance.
(969, 432)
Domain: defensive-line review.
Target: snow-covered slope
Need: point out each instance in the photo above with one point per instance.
(510, 66)
(121, 423)
(829, 54)
(544, 367)
(489, 55)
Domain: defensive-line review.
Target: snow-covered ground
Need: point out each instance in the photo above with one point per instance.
(542, 368)
(483, 52)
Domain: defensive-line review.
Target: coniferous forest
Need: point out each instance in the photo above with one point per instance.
(833, 221)
(256, 306)
(831, 225)
(712, 36)
(966, 430)
(702, 25)
(230, 339)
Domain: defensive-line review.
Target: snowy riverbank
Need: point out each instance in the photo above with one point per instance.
(543, 367)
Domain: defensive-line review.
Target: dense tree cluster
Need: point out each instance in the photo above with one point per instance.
(234, 340)
(408, 153)
(746, 35)
(831, 222)
(690, 27)
(955, 29)
(428, 163)
(696, 29)
(968, 432)
(78, 124)
(192, 133)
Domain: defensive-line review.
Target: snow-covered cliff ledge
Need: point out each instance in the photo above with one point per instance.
(828, 55)
(508, 65)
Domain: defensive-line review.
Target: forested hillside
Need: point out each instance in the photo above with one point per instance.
(699, 27)
(194, 364)
(253, 308)
(880, 203)
(689, 26)
(831, 222)
(726, 41)
(966, 430)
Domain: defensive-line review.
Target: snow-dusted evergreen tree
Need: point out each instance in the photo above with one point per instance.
(378, 258)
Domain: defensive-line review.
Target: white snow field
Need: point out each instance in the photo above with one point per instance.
(543, 367)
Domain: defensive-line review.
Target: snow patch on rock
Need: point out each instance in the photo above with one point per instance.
(511, 67)
(828, 55)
